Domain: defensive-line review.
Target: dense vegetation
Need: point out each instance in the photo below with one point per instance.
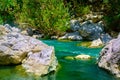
(112, 15)
(51, 16)
(48, 16)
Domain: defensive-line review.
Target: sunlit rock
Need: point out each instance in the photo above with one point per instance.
(83, 57)
(54, 37)
(71, 36)
(78, 57)
(24, 32)
(40, 63)
(36, 57)
(96, 43)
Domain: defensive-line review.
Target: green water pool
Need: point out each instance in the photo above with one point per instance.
(69, 69)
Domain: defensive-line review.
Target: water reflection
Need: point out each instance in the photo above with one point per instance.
(17, 73)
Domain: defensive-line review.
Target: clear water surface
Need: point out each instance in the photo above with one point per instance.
(69, 69)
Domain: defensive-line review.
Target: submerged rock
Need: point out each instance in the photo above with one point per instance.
(85, 44)
(109, 58)
(35, 56)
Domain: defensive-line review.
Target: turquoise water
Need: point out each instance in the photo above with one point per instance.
(69, 69)
(77, 69)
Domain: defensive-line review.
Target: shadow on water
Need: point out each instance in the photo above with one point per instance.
(69, 69)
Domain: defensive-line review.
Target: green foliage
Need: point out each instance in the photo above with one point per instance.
(82, 10)
(7, 10)
(48, 16)
(1, 21)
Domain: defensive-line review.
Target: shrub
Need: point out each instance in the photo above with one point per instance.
(1, 21)
(7, 10)
(82, 10)
(48, 16)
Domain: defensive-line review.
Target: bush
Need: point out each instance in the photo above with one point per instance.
(7, 10)
(82, 10)
(48, 16)
(1, 21)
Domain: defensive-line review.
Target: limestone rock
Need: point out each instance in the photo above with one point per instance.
(14, 47)
(24, 32)
(83, 57)
(78, 57)
(74, 25)
(90, 31)
(71, 36)
(105, 38)
(109, 58)
(85, 44)
(96, 43)
(38, 36)
(35, 56)
(54, 37)
(8, 28)
(40, 63)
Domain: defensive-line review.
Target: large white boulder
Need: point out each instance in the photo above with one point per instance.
(35, 56)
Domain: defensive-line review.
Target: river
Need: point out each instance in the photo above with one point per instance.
(68, 69)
